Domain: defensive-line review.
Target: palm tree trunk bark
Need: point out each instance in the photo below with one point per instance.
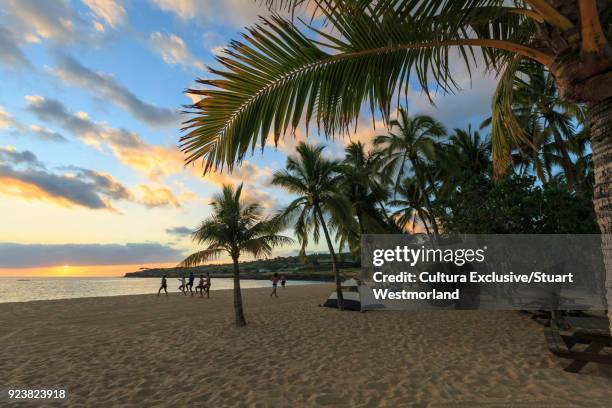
(332, 253)
(600, 118)
(238, 310)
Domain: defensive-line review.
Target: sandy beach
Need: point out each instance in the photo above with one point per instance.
(176, 351)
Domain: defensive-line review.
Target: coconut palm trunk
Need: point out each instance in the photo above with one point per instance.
(600, 119)
(238, 310)
(332, 253)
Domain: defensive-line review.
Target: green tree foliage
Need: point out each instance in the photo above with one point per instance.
(514, 205)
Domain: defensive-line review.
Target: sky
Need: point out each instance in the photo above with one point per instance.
(92, 181)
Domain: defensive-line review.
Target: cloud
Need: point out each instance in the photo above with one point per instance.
(13, 255)
(334, 148)
(109, 11)
(22, 175)
(247, 173)
(105, 87)
(129, 148)
(7, 121)
(34, 19)
(214, 41)
(9, 154)
(266, 200)
(365, 133)
(42, 133)
(152, 197)
(11, 55)
(174, 51)
(238, 13)
(179, 231)
(194, 98)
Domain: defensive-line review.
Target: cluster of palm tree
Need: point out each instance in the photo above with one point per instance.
(554, 58)
(388, 188)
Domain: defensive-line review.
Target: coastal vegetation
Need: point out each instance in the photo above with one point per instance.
(315, 266)
(544, 151)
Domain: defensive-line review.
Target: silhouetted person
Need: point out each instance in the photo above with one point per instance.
(283, 280)
(274, 284)
(207, 285)
(200, 286)
(190, 283)
(183, 286)
(164, 286)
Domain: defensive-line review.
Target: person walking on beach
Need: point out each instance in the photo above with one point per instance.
(164, 286)
(283, 280)
(200, 286)
(207, 285)
(183, 286)
(274, 284)
(190, 283)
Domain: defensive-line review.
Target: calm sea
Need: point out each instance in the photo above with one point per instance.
(28, 289)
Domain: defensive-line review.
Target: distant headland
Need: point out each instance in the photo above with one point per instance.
(314, 267)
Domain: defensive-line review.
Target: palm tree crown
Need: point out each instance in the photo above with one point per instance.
(235, 228)
(411, 140)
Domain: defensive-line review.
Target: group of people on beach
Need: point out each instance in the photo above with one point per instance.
(205, 283)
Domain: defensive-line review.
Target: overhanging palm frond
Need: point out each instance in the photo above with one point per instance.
(200, 257)
(278, 76)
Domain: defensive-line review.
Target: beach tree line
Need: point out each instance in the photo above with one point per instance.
(554, 98)
(416, 178)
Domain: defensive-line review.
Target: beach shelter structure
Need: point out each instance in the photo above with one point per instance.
(350, 294)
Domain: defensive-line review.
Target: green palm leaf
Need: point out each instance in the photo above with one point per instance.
(278, 77)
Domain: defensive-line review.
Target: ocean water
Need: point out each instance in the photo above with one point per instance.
(30, 288)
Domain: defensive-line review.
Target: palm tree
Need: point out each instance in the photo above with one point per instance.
(533, 98)
(412, 207)
(466, 151)
(578, 145)
(235, 228)
(314, 179)
(413, 143)
(278, 76)
(363, 182)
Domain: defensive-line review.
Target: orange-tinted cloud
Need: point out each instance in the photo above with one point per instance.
(129, 148)
(248, 173)
(24, 176)
(109, 11)
(157, 196)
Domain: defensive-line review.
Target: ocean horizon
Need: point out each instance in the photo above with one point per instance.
(29, 289)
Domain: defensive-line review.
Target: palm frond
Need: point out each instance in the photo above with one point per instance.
(278, 75)
(200, 257)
